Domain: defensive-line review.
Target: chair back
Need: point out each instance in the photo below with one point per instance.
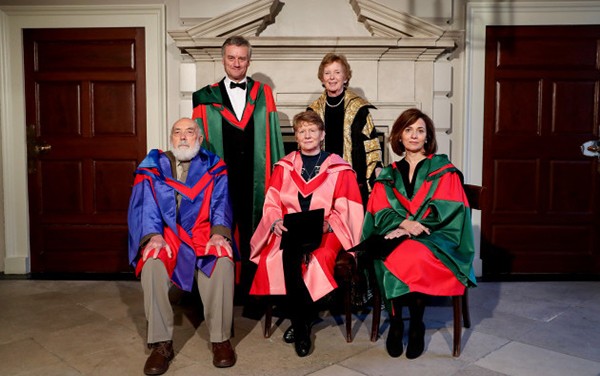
(474, 195)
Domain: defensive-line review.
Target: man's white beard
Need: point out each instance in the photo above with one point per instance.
(185, 153)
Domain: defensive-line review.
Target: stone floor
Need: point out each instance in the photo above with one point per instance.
(98, 328)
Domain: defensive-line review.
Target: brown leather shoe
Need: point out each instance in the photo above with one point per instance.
(223, 354)
(158, 361)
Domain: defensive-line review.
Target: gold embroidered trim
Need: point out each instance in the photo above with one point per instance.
(352, 104)
(373, 151)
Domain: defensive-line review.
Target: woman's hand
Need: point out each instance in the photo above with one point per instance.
(396, 233)
(414, 228)
(278, 228)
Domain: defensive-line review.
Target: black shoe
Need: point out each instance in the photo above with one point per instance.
(416, 340)
(288, 335)
(393, 343)
(303, 347)
(302, 343)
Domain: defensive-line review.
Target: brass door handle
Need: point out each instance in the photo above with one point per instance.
(39, 149)
(591, 149)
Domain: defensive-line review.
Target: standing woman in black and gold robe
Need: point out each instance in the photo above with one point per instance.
(350, 131)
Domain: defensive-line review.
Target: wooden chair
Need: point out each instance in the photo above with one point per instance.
(344, 271)
(460, 303)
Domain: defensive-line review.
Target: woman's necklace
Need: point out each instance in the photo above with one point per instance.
(334, 105)
(305, 173)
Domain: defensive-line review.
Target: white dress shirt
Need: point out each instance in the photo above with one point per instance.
(237, 96)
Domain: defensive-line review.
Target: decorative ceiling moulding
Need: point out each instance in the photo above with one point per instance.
(395, 36)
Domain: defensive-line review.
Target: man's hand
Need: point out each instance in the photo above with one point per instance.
(153, 247)
(221, 244)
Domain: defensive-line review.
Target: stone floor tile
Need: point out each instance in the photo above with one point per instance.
(55, 317)
(19, 288)
(31, 305)
(472, 370)
(88, 339)
(519, 359)
(474, 345)
(569, 334)
(122, 360)
(59, 369)
(25, 356)
(336, 370)
(500, 323)
(376, 361)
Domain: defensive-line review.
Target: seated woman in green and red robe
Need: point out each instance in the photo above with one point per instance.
(418, 229)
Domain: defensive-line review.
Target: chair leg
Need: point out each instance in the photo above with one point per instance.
(376, 314)
(268, 317)
(457, 303)
(348, 310)
(465, 309)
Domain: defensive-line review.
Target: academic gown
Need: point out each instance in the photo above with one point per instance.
(205, 208)
(440, 263)
(334, 189)
(212, 112)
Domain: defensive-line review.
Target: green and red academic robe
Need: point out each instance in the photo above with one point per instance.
(204, 209)
(440, 263)
(210, 112)
(335, 190)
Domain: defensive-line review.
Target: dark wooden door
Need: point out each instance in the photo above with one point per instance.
(542, 91)
(86, 117)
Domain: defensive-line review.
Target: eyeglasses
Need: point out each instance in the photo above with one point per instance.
(186, 133)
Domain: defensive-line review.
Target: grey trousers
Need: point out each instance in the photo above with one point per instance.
(216, 293)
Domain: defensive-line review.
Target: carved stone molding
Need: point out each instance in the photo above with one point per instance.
(395, 36)
(383, 21)
(248, 20)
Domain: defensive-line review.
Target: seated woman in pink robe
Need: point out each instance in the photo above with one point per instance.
(303, 180)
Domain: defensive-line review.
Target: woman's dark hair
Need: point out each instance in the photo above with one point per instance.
(409, 117)
(310, 117)
(332, 58)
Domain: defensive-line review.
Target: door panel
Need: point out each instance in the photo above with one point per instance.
(85, 97)
(542, 95)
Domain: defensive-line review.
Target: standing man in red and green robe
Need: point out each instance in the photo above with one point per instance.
(238, 119)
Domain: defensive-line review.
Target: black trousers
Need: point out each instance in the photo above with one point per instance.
(299, 306)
